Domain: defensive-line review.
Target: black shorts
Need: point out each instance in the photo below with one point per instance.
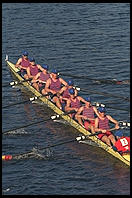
(23, 73)
(41, 88)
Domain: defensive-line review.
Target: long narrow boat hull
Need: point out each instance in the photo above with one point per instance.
(124, 158)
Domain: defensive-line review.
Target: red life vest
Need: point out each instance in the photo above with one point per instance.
(104, 124)
(123, 144)
(55, 86)
(89, 112)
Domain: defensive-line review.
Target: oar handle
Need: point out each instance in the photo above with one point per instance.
(83, 137)
(97, 104)
(33, 98)
(14, 83)
(122, 123)
(77, 88)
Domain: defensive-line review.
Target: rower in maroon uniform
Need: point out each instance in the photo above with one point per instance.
(102, 124)
(86, 115)
(73, 103)
(33, 69)
(23, 64)
(40, 79)
(54, 85)
(64, 93)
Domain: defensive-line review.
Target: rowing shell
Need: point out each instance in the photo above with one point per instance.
(124, 158)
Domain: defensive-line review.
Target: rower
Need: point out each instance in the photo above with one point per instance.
(64, 93)
(33, 69)
(102, 124)
(73, 102)
(65, 90)
(23, 64)
(122, 144)
(86, 115)
(40, 79)
(53, 85)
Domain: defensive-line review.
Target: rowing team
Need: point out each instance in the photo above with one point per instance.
(65, 96)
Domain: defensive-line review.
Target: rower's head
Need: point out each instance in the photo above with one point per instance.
(54, 73)
(102, 110)
(45, 67)
(25, 54)
(72, 92)
(32, 61)
(118, 133)
(88, 99)
(70, 82)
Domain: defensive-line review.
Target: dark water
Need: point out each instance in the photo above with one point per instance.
(91, 40)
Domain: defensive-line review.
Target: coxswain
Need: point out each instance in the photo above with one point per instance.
(86, 115)
(102, 125)
(53, 86)
(40, 79)
(23, 64)
(33, 69)
(122, 144)
(73, 103)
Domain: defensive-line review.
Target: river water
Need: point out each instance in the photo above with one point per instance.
(87, 41)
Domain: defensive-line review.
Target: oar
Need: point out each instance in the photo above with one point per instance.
(28, 100)
(102, 93)
(124, 124)
(99, 81)
(26, 125)
(13, 83)
(105, 94)
(10, 157)
(97, 104)
(24, 101)
(51, 118)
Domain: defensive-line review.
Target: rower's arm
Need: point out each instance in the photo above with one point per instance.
(62, 90)
(76, 92)
(81, 99)
(79, 112)
(114, 121)
(67, 107)
(18, 63)
(47, 85)
(79, 116)
(40, 67)
(63, 81)
(96, 125)
(36, 78)
(96, 111)
(28, 73)
(96, 129)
